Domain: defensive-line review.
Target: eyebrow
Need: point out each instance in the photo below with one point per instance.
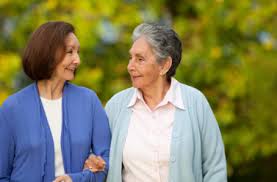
(72, 46)
(137, 54)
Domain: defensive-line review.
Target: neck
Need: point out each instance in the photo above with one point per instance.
(50, 89)
(155, 93)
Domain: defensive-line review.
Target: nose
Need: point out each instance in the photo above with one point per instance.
(76, 59)
(130, 65)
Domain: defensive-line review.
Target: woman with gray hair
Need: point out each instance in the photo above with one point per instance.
(162, 130)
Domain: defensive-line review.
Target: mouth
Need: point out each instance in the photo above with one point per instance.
(71, 69)
(135, 77)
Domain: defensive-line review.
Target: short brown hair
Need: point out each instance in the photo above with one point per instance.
(42, 55)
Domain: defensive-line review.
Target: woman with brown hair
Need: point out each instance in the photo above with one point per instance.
(49, 128)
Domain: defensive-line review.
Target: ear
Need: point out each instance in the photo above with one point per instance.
(166, 65)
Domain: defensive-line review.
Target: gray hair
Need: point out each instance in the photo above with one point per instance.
(164, 41)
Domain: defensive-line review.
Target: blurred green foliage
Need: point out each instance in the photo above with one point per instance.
(229, 53)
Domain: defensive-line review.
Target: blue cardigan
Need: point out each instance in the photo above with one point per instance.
(197, 151)
(26, 143)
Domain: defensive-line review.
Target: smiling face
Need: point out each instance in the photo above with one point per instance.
(143, 67)
(65, 70)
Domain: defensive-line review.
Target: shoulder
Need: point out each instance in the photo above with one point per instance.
(19, 98)
(123, 95)
(194, 99)
(191, 94)
(121, 98)
(79, 91)
(119, 101)
(17, 104)
(197, 104)
(81, 96)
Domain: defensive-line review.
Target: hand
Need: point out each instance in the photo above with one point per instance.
(95, 163)
(63, 178)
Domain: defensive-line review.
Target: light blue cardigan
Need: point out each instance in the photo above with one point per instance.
(197, 151)
(26, 144)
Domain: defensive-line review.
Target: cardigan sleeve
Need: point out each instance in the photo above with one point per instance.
(6, 149)
(101, 138)
(87, 176)
(213, 154)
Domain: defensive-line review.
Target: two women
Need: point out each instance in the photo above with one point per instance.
(49, 128)
(162, 130)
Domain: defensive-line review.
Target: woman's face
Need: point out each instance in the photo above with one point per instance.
(143, 67)
(65, 70)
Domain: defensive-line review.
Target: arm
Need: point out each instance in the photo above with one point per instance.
(100, 145)
(213, 155)
(101, 138)
(6, 149)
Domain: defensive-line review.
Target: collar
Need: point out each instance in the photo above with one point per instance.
(173, 96)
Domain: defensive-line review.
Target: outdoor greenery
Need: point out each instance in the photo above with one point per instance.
(229, 53)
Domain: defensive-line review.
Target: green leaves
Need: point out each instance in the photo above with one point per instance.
(9, 66)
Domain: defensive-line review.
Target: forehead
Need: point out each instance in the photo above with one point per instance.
(72, 40)
(141, 46)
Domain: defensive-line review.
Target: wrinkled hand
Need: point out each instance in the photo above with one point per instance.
(63, 178)
(95, 163)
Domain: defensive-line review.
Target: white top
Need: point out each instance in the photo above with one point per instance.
(53, 111)
(146, 152)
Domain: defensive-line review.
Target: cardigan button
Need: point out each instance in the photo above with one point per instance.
(175, 135)
(172, 159)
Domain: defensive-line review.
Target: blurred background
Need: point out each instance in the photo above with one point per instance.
(229, 53)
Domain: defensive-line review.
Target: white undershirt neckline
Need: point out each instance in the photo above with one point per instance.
(53, 112)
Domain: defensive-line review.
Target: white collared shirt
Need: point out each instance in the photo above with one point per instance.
(146, 151)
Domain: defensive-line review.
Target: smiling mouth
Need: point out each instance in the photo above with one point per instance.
(135, 77)
(71, 69)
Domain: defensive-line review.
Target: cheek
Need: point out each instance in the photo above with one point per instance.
(152, 72)
(61, 69)
(64, 64)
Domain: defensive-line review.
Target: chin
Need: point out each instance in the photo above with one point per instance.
(136, 85)
(69, 78)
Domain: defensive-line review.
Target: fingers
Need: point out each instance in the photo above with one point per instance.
(95, 163)
(89, 166)
(96, 160)
(100, 163)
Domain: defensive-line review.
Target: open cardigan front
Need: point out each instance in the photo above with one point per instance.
(27, 148)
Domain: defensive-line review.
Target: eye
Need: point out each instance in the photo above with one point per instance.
(140, 59)
(69, 51)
